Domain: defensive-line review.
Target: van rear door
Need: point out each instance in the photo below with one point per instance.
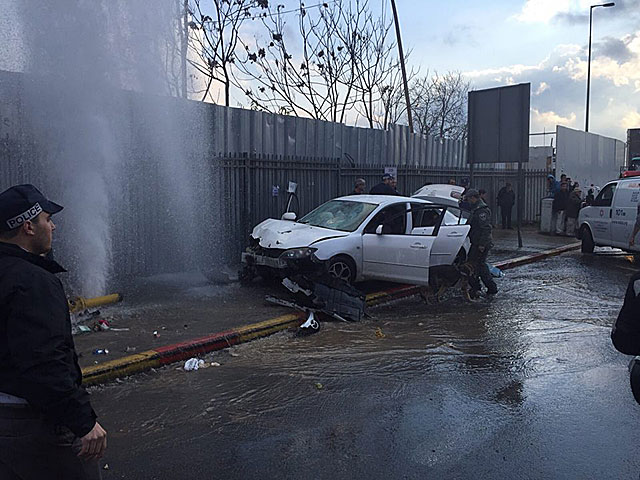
(623, 214)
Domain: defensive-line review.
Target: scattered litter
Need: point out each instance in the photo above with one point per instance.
(215, 364)
(103, 324)
(379, 333)
(193, 364)
(310, 326)
(131, 349)
(319, 386)
(119, 329)
(106, 466)
(101, 351)
(234, 354)
(83, 328)
(156, 334)
(495, 271)
(420, 324)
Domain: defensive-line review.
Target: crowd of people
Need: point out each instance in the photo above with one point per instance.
(568, 199)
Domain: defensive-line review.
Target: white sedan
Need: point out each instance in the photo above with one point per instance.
(365, 237)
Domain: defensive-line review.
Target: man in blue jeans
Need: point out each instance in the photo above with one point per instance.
(48, 429)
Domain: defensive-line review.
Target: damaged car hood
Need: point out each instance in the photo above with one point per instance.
(285, 234)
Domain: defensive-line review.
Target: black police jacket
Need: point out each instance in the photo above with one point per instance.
(480, 223)
(38, 361)
(382, 189)
(626, 331)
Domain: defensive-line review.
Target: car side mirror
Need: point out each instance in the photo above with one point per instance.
(291, 216)
(379, 230)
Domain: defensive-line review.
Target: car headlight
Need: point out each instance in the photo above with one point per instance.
(298, 253)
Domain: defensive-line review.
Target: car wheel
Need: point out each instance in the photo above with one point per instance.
(587, 241)
(342, 267)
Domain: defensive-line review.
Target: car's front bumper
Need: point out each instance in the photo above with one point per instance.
(254, 259)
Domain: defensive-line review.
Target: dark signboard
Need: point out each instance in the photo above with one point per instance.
(499, 124)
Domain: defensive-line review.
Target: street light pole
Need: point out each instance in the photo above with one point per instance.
(586, 119)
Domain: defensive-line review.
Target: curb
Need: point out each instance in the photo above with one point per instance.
(177, 352)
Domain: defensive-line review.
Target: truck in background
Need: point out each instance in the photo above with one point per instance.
(632, 168)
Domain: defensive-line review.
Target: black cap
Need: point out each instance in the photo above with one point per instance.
(21, 203)
(472, 192)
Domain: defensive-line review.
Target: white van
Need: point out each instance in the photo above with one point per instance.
(610, 220)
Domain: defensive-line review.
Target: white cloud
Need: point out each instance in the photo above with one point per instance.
(549, 119)
(544, 86)
(631, 120)
(542, 11)
(615, 87)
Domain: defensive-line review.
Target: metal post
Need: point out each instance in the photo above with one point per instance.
(608, 4)
(402, 66)
(520, 199)
(586, 120)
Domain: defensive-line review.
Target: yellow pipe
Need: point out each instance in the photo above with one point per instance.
(80, 303)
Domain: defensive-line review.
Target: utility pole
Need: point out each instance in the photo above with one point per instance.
(402, 66)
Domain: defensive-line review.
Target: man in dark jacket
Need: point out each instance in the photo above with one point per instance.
(560, 202)
(625, 334)
(384, 187)
(481, 243)
(506, 200)
(573, 210)
(47, 426)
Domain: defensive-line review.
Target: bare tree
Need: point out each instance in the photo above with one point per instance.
(374, 64)
(310, 74)
(439, 104)
(215, 38)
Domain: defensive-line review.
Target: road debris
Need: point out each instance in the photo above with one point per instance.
(319, 386)
(101, 351)
(193, 364)
(379, 333)
(309, 327)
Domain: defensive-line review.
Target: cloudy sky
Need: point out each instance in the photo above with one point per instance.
(544, 42)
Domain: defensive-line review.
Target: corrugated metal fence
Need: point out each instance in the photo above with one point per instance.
(261, 133)
(254, 187)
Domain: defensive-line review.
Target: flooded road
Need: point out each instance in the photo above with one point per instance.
(524, 386)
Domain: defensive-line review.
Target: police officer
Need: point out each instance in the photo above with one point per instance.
(384, 187)
(625, 334)
(481, 242)
(48, 429)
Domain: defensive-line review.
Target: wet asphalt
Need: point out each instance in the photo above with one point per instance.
(524, 386)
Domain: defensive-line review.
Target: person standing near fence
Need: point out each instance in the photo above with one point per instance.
(573, 210)
(559, 207)
(384, 187)
(359, 186)
(47, 426)
(506, 201)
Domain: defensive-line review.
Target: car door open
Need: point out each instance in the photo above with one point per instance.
(391, 253)
(450, 237)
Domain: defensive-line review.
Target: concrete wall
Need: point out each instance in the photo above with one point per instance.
(587, 157)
